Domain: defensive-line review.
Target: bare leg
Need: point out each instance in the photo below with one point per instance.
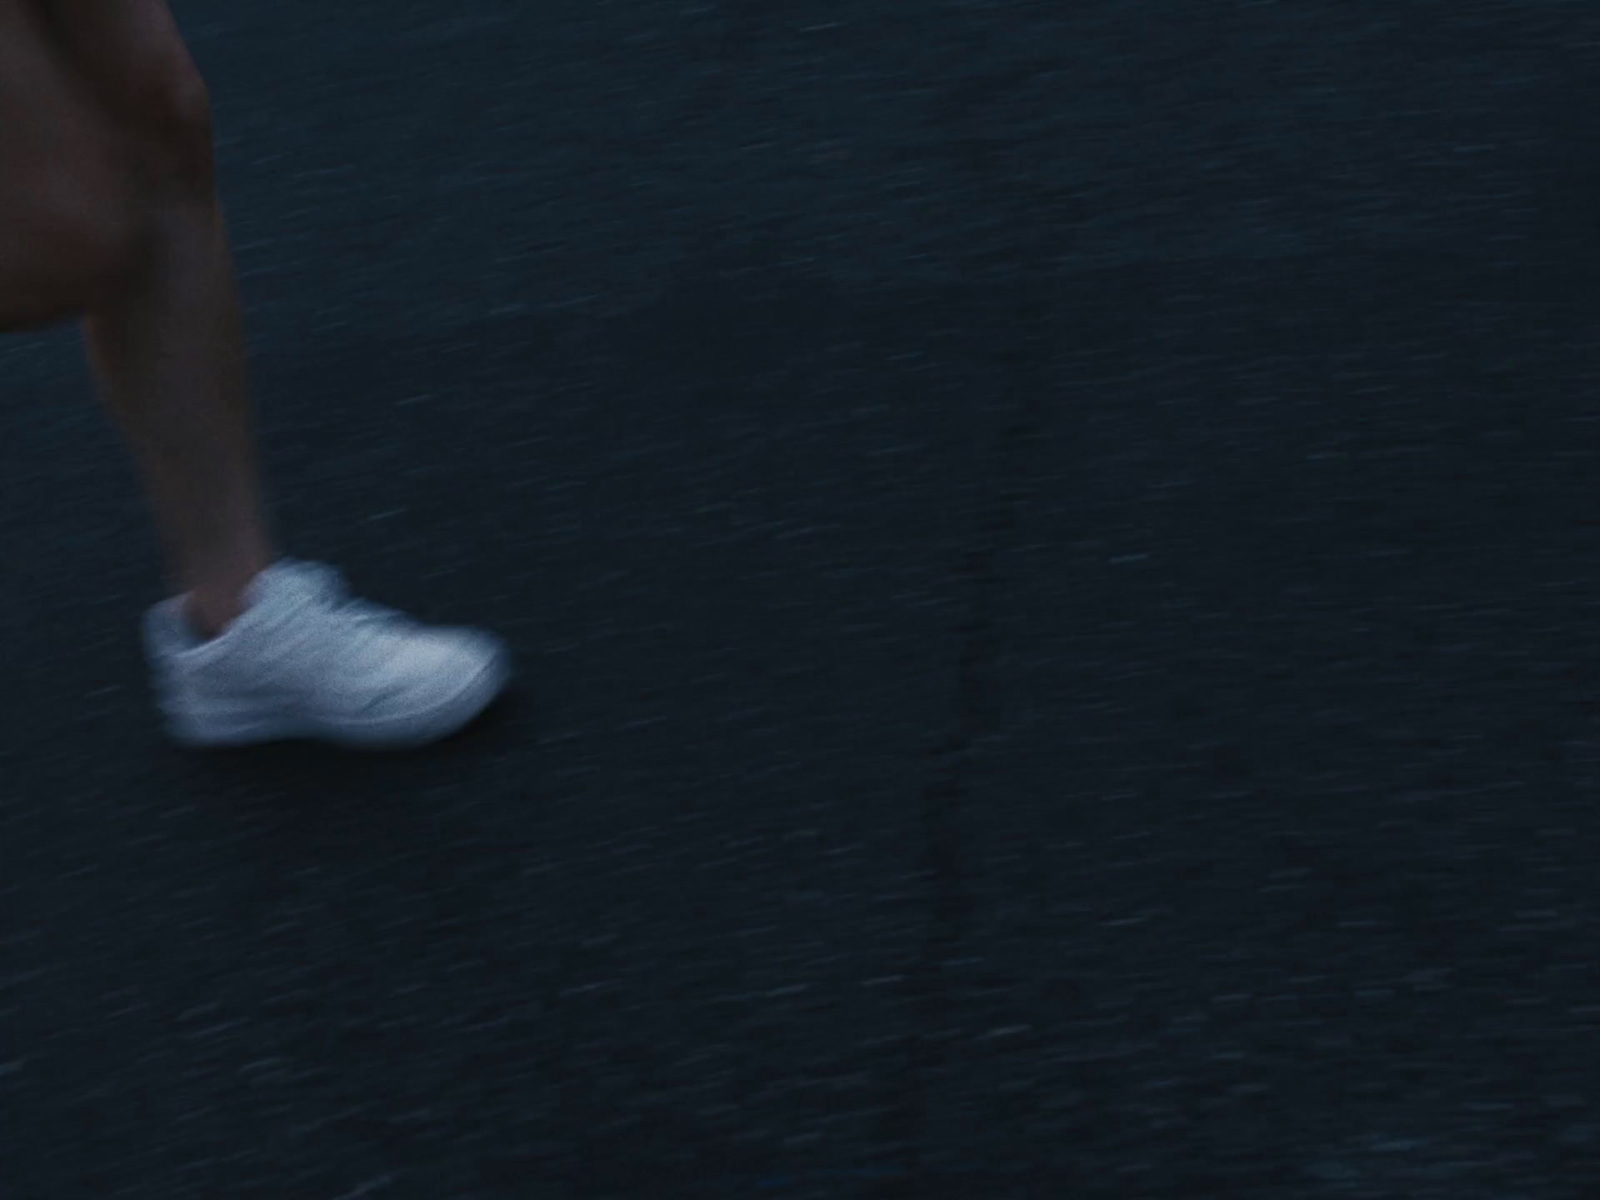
(168, 347)
(69, 227)
(108, 212)
(169, 354)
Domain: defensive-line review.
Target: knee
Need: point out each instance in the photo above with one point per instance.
(103, 232)
(98, 242)
(170, 106)
(76, 245)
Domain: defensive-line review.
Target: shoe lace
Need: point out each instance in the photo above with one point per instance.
(361, 625)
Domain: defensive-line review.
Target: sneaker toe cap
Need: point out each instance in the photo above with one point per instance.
(439, 669)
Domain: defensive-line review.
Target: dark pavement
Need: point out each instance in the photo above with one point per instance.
(1055, 553)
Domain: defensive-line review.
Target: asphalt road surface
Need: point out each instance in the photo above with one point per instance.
(1054, 550)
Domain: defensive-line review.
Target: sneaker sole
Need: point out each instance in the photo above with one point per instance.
(409, 730)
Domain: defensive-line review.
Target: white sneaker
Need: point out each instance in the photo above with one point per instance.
(308, 661)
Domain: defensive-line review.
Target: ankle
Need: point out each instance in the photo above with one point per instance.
(210, 610)
(209, 618)
(216, 602)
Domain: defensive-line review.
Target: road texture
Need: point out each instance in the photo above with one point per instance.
(1054, 550)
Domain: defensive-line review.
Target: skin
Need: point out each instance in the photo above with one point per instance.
(109, 216)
